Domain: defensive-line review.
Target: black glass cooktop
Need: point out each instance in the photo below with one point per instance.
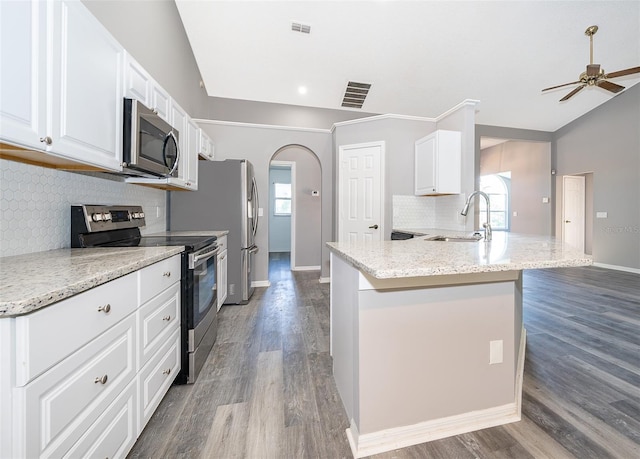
(191, 243)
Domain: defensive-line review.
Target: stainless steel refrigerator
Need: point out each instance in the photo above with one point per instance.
(226, 199)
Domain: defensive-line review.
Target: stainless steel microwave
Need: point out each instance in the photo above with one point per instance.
(150, 144)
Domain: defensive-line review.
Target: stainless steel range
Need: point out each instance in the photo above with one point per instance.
(119, 226)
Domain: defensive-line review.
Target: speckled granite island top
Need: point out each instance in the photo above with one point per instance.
(32, 281)
(419, 257)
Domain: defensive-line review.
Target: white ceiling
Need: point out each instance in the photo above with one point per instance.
(421, 57)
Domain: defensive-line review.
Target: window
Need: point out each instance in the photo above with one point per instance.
(282, 194)
(497, 186)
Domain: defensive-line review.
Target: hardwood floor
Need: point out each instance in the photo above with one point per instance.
(267, 389)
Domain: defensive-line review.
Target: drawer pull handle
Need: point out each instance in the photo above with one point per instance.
(167, 371)
(101, 379)
(106, 308)
(167, 274)
(167, 318)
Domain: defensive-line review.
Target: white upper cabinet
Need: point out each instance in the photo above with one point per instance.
(190, 168)
(22, 73)
(205, 146)
(85, 122)
(438, 163)
(139, 85)
(61, 84)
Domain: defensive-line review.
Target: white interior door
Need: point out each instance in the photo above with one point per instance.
(360, 192)
(573, 210)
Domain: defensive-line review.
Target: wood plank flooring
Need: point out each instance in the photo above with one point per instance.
(267, 389)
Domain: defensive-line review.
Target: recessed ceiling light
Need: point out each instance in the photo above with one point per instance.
(302, 89)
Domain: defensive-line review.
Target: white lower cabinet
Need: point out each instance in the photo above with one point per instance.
(222, 271)
(92, 395)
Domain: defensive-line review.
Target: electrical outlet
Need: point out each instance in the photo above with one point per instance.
(601, 215)
(495, 352)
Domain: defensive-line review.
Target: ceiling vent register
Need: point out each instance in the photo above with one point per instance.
(302, 28)
(355, 94)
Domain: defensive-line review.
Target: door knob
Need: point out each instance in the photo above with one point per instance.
(374, 227)
(567, 221)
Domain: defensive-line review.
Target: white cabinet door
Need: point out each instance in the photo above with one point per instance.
(85, 117)
(191, 159)
(222, 278)
(22, 73)
(137, 82)
(161, 102)
(438, 163)
(205, 146)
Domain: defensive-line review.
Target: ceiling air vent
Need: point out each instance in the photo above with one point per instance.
(302, 28)
(355, 94)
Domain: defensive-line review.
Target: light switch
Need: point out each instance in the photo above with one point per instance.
(601, 215)
(260, 212)
(545, 200)
(495, 352)
(515, 214)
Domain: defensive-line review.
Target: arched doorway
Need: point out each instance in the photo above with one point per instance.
(304, 202)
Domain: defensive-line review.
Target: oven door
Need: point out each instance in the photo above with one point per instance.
(201, 315)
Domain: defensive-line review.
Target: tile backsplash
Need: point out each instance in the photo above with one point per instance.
(35, 204)
(441, 212)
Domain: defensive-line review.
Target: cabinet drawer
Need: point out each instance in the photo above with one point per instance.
(157, 319)
(63, 402)
(114, 433)
(158, 277)
(156, 377)
(47, 336)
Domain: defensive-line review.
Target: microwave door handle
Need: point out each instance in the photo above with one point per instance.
(164, 152)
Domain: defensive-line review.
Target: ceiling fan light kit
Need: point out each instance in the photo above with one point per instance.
(594, 75)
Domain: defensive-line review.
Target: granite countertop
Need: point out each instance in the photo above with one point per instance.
(418, 257)
(32, 281)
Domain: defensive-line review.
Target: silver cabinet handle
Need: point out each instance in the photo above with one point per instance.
(106, 308)
(48, 140)
(167, 274)
(167, 318)
(101, 379)
(167, 371)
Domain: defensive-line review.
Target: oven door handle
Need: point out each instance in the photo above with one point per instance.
(204, 256)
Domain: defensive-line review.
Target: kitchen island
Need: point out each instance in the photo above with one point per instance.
(427, 336)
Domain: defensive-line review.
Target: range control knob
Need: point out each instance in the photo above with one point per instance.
(106, 216)
(97, 217)
(141, 214)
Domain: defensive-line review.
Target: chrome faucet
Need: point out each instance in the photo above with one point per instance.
(486, 225)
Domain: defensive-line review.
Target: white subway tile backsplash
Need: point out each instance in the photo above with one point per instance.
(442, 212)
(35, 204)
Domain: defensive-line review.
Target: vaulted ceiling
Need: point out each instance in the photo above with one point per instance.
(420, 57)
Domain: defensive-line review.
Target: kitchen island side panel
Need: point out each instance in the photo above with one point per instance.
(424, 353)
(344, 332)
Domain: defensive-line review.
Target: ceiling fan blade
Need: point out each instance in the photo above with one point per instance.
(572, 93)
(561, 86)
(609, 86)
(620, 73)
(593, 70)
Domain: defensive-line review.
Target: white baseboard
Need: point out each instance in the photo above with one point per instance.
(618, 268)
(262, 283)
(325, 280)
(401, 437)
(305, 268)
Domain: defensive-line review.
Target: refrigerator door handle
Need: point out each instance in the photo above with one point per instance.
(254, 192)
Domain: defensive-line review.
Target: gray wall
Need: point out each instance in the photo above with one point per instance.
(606, 142)
(248, 111)
(308, 208)
(152, 32)
(258, 145)
(399, 136)
(530, 166)
(279, 225)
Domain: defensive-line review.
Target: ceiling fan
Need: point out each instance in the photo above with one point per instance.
(594, 75)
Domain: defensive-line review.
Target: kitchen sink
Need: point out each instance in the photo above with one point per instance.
(454, 238)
